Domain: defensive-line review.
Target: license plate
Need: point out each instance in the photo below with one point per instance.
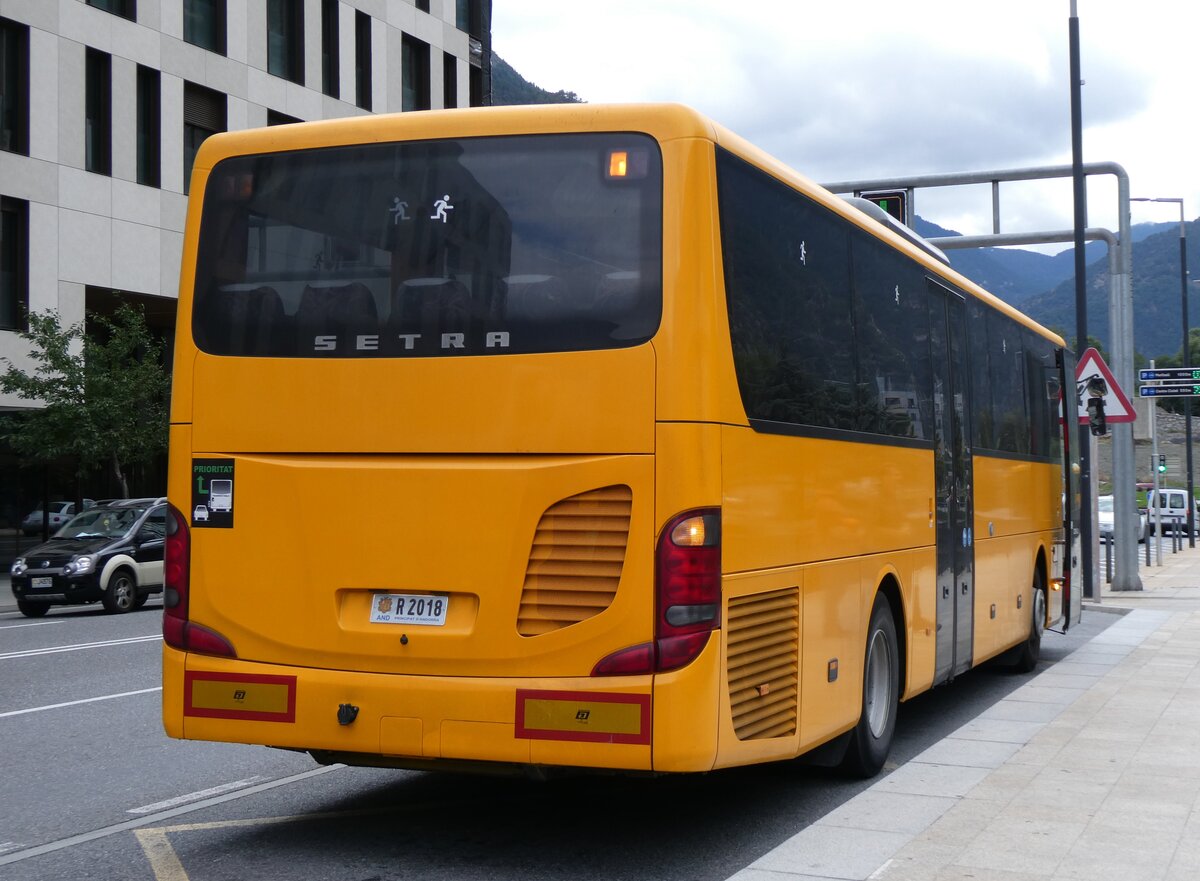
(41, 582)
(406, 608)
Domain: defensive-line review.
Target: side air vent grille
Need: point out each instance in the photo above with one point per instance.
(575, 564)
(764, 650)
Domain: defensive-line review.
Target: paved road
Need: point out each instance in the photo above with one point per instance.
(92, 788)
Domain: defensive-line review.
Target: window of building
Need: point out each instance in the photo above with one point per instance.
(475, 86)
(204, 114)
(415, 79)
(362, 60)
(330, 55)
(466, 16)
(98, 112)
(449, 80)
(204, 24)
(14, 263)
(149, 127)
(274, 117)
(423, 5)
(124, 8)
(285, 39)
(14, 87)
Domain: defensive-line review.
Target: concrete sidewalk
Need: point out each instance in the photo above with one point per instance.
(1089, 772)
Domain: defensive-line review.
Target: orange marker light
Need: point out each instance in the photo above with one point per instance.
(618, 163)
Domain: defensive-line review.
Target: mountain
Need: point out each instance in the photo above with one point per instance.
(509, 87)
(1016, 275)
(1157, 304)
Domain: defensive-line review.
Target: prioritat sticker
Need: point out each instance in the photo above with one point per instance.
(213, 493)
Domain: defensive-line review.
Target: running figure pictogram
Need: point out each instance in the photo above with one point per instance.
(441, 206)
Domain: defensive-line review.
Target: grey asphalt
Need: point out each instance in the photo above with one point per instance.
(1091, 770)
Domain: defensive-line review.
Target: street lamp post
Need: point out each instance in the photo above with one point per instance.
(1187, 362)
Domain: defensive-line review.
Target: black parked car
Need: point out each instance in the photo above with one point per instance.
(112, 553)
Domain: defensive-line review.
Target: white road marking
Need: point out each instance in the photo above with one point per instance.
(33, 624)
(195, 796)
(7, 846)
(86, 700)
(150, 819)
(78, 647)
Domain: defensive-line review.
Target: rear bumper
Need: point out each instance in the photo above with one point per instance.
(635, 723)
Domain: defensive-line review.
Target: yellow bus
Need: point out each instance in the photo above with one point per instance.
(587, 437)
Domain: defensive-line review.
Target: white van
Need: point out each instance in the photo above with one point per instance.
(1172, 505)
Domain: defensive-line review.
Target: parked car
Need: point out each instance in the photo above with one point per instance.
(111, 553)
(1171, 504)
(1104, 505)
(60, 513)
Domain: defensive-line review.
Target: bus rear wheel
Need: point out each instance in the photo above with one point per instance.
(1029, 651)
(871, 739)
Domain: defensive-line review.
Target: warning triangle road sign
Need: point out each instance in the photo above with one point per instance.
(1116, 405)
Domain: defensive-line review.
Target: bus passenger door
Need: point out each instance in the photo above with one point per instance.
(952, 484)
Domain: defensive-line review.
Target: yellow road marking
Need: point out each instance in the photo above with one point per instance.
(164, 862)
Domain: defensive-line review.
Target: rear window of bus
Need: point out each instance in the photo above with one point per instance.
(476, 246)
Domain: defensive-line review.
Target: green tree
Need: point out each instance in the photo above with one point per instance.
(104, 393)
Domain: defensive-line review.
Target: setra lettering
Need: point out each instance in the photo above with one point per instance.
(408, 341)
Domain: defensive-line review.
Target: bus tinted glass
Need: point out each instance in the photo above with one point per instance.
(475, 246)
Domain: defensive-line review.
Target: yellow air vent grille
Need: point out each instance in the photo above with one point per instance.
(575, 564)
(764, 648)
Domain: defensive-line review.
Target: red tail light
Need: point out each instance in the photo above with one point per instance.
(687, 607)
(178, 631)
(687, 587)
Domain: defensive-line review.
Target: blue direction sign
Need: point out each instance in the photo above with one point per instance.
(1170, 374)
(1169, 389)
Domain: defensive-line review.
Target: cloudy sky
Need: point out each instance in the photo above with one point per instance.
(886, 88)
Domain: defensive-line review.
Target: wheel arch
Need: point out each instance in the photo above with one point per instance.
(120, 561)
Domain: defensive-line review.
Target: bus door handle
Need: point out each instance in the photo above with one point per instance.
(965, 588)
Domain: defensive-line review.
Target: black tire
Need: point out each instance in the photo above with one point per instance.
(32, 610)
(121, 594)
(1028, 654)
(141, 600)
(871, 739)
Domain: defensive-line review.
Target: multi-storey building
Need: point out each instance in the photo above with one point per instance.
(103, 104)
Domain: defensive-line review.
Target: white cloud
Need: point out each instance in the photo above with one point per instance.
(877, 88)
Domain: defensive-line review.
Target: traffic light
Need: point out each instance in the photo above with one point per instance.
(894, 202)
(1097, 388)
(1162, 464)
